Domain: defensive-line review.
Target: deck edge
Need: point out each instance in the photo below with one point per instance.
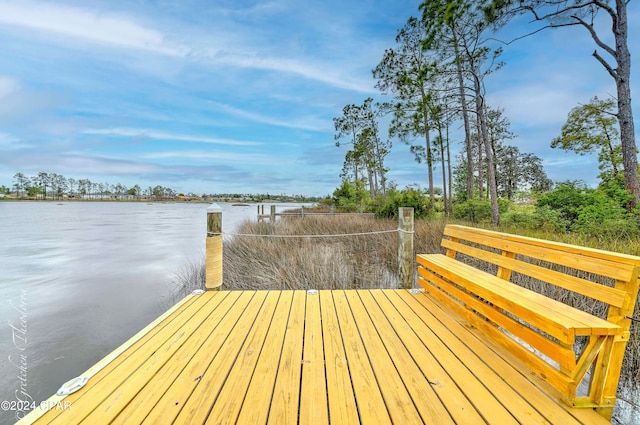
(55, 399)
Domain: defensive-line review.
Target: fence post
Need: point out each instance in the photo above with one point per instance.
(213, 261)
(405, 247)
(272, 219)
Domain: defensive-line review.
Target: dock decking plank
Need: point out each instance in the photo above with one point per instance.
(520, 381)
(185, 366)
(227, 404)
(391, 383)
(107, 380)
(450, 379)
(139, 377)
(259, 396)
(371, 405)
(169, 405)
(329, 357)
(478, 383)
(286, 394)
(313, 392)
(342, 406)
(211, 379)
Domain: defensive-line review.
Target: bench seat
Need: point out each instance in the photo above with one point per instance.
(554, 317)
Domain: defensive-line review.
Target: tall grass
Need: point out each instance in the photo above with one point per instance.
(331, 262)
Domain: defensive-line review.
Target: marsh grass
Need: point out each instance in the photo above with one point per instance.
(330, 262)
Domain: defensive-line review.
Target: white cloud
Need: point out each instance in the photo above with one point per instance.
(322, 72)
(8, 142)
(86, 24)
(19, 103)
(224, 156)
(159, 135)
(8, 86)
(120, 31)
(309, 123)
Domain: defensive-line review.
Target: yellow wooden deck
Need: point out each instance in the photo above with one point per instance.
(287, 357)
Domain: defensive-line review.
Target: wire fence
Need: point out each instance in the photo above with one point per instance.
(305, 236)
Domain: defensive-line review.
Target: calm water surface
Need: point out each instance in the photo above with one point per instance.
(78, 279)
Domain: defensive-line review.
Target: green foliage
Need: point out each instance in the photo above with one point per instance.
(475, 210)
(592, 128)
(566, 198)
(571, 206)
(350, 196)
(472, 210)
(544, 218)
(408, 197)
(33, 190)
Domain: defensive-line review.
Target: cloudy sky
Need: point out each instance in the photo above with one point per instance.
(218, 96)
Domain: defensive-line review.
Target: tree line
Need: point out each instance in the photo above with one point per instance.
(55, 186)
(435, 75)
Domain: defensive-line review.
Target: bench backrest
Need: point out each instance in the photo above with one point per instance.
(520, 254)
(609, 278)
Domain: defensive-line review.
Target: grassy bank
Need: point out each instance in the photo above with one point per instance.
(370, 261)
(329, 262)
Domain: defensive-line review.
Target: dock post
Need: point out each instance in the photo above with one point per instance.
(405, 247)
(214, 248)
(272, 219)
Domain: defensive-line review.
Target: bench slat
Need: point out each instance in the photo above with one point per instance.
(556, 318)
(562, 354)
(584, 287)
(616, 257)
(547, 251)
(535, 363)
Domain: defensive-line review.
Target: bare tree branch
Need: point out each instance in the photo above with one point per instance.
(595, 37)
(606, 65)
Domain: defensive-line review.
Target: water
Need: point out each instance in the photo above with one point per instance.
(78, 279)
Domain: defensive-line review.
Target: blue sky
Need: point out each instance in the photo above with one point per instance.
(238, 96)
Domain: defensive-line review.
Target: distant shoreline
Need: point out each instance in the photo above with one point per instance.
(164, 201)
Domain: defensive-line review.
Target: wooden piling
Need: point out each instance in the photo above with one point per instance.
(214, 247)
(405, 248)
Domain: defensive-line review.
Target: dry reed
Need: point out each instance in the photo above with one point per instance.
(331, 262)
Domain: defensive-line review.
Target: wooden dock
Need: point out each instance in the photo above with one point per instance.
(318, 357)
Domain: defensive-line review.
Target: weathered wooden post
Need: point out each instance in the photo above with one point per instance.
(405, 248)
(272, 213)
(213, 262)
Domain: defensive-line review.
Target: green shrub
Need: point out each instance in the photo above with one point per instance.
(504, 205)
(567, 198)
(472, 211)
(408, 197)
(543, 217)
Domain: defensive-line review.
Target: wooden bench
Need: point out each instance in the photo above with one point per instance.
(562, 344)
